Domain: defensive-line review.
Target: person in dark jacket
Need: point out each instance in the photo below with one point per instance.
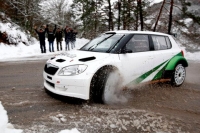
(51, 37)
(73, 34)
(58, 36)
(41, 35)
(67, 37)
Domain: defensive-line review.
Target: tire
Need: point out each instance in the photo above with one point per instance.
(111, 89)
(102, 86)
(178, 76)
(97, 84)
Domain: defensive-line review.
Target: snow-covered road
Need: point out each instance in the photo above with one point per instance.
(150, 108)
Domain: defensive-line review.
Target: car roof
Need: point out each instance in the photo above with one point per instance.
(137, 32)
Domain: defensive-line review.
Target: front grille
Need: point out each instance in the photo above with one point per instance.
(50, 69)
(51, 84)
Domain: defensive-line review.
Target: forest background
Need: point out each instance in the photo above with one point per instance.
(93, 17)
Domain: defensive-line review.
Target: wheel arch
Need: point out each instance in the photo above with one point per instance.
(102, 68)
(176, 60)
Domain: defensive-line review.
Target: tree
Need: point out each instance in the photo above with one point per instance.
(160, 12)
(55, 12)
(131, 13)
(93, 15)
(119, 14)
(24, 13)
(139, 3)
(186, 13)
(170, 16)
(110, 20)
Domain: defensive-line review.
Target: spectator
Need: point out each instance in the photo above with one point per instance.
(67, 37)
(51, 37)
(41, 35)
(73, 34)
(59, 38)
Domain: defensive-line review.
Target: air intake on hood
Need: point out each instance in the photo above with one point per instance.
(52, 58)
(87, 59)
(60, 60)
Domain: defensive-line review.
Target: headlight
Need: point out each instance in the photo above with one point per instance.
(72, 70)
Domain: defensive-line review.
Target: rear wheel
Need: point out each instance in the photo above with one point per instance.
(179, 75)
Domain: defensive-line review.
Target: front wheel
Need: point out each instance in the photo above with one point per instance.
(179, 75)
(105, 86)
(111, 90)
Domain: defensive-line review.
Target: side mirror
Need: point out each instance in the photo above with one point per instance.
(174, 34)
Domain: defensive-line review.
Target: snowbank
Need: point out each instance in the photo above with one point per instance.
(12, 53)
(14, 34)
(22, 52)
(6, 127)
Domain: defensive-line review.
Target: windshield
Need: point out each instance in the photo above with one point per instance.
(103, 43)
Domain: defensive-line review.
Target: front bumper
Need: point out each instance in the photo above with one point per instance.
(77, 86)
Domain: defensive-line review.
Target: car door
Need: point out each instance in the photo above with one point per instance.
(136, 65)
(163, 52)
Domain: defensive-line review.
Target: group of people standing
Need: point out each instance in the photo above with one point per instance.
(56, 33)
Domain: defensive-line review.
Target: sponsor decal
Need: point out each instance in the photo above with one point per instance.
(161, 67)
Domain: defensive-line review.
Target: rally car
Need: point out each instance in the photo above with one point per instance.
(114, 60)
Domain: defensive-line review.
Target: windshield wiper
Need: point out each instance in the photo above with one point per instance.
(114, 45)
(94, 46)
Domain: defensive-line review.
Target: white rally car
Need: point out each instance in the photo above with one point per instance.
(113, 60)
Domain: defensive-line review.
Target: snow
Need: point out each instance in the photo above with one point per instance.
(74, 130)
(187, 21)
(15, 35)
(20, 51)
(6, 127)
(157, 1)
(31, 51)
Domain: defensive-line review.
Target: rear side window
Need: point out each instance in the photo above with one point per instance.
(161, 42)
(138, 43)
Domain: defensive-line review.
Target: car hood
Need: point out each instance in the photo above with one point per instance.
(76, 57)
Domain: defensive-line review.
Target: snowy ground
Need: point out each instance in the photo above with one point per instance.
(32, 52)
(23, 52)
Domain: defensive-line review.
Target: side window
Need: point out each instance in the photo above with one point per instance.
(138, 43)
(169, 45)
(161, 42)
